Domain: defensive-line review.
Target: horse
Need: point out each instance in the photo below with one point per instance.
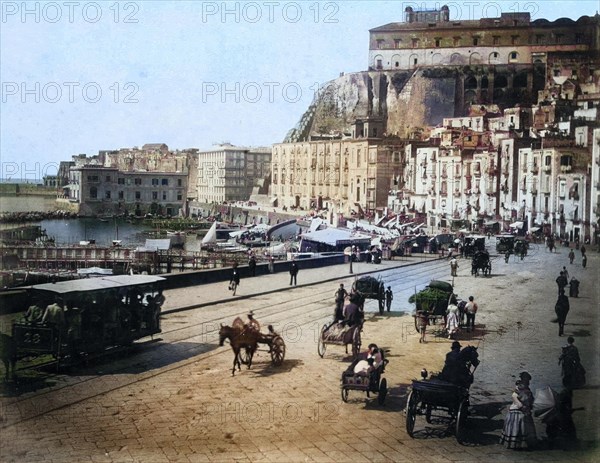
(8, 354)
(460, 371)
(240, 337)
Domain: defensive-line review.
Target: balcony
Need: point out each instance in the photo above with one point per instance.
(477, 173)
(566, 168)
(535, 170)
(547, 169)
(492, 171)
(534, 191)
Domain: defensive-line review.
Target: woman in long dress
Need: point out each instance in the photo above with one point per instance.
(452, 320)
(519, 429)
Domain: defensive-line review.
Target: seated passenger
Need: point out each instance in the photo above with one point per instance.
(351, 313)
(364, 367)
(375, 353)
(34, 313)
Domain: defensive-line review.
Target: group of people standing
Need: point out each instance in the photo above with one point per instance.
(519, 428)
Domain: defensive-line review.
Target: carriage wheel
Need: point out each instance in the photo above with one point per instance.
(381, 304)
(245, 356)
(411, 413)
(321, 346)
(344, 394)
(382, 391)
(356, 342)
(461, 420)
(277, 351)
(428, 410)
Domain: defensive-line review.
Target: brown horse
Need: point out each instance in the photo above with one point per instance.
(240, 337)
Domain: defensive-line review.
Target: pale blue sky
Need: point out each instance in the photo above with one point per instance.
(168, 71)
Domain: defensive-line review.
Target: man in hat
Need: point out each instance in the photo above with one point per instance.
(389, 295)
(450, 372)
(340, 296)
(453, 267)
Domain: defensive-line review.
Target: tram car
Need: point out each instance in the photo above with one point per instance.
(76, 318)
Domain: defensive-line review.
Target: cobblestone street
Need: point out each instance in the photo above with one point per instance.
(189, 408)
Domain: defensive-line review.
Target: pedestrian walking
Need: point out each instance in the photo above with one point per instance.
(561, 282)
(565, 272)
(293, 273)
(340, 296)
(422, 322)
(561, 309)
(574, 287)
(519, 428)
(573, 372)
(582, 251)
(453, 267)
(389, 295)
(571, 256)
(234, 281)
(252, 265)
(271, 264)
(584, 261)
(471, 310)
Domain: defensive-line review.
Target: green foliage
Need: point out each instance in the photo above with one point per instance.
(430, 299)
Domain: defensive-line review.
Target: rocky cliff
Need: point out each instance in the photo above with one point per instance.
(403, 99)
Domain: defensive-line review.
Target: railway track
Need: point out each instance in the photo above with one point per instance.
(197, 341)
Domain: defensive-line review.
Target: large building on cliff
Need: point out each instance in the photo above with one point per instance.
(432, 38)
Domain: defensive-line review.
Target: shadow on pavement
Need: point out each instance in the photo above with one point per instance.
(262, 368)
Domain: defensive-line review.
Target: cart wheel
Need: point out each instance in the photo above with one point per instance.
(411, 413)
(277, 351)
(321, 346)
(245, 356)
(381, 304)
(428, 414)
(382, 391)
(461, 420)
(344, 394)
(356, 342)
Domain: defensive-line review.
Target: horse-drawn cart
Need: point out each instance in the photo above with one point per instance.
(434, 300)
(276, 347)
(447, 392)
(429, 396)
(342, 335)
(481, 261)
(245, 338)
(366, 382)
(370, 288)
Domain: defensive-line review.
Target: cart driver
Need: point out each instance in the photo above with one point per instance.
(351, 313)
(252, 323)
(455, 370)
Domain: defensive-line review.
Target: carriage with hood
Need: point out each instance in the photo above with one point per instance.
(444, 398)
(481, 262)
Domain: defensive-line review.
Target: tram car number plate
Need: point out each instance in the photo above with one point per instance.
(34, 338)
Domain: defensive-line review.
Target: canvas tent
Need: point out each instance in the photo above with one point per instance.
(333, 239)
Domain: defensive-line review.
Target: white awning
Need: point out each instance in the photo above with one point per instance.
(534, 229)
(518, 225)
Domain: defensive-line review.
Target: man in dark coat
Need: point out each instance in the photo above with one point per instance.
(561, 282)
(562, 309)
(252, 266)
(293, 273)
